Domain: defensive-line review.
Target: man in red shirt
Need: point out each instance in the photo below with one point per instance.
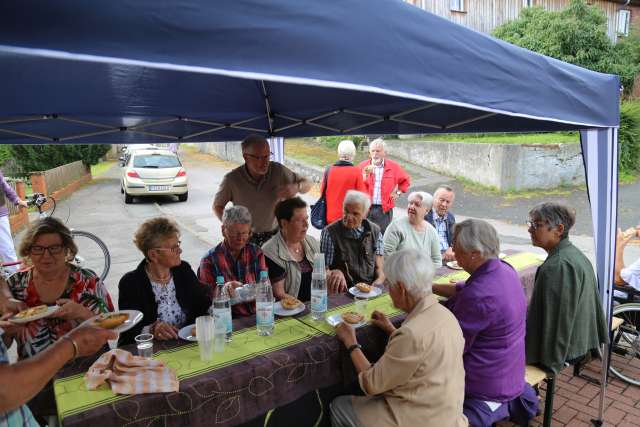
(385, 181)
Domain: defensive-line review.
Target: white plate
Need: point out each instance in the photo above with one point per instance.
(357, 293)
(337, 318)
(281, 311)
(134, 318)
(453, 265)
(50, 310)
(185, 333)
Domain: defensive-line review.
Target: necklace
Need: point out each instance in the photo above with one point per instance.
(297, 250)
(157, 279)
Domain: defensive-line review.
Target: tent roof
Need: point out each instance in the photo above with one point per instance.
(197, 70)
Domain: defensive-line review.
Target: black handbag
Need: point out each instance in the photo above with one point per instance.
(319, 210)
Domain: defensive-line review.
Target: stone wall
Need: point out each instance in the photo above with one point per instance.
(503, 166)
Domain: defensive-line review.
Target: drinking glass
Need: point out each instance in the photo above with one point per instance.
(114, 342)
(144, 342)
(361, 306)
(204, 333)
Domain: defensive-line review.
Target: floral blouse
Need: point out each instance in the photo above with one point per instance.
(84, 287)
(169, 311)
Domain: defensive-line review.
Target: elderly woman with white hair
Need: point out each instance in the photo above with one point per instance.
(339, 178)
(413, 232)
(491, 308)
(353, 246)
(236, 259)
(419, 380)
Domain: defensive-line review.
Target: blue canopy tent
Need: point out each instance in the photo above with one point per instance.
(195, 70)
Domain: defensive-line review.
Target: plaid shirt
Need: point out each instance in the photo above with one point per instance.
(246, 269)
(378, 171)
(441, 228)
(327, 247)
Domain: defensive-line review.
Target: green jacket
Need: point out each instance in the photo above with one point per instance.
(565, 318)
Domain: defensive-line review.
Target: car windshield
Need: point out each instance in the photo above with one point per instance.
(156, 161)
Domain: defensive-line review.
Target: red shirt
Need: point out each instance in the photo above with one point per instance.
(392, 177)
(343, 176)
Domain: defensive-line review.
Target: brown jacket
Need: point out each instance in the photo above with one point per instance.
(419, 380)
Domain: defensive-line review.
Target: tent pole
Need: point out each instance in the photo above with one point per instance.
(603, 385)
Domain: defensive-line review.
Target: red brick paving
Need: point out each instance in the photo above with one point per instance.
(577, 401)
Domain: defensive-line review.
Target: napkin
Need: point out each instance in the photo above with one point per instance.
(129, 374)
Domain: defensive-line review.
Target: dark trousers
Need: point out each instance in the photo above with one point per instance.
(377, 215)
(259, 239)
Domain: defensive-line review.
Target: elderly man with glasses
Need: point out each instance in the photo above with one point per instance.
(259, 184)
(565, 320)
(353, 247)
(236, 259)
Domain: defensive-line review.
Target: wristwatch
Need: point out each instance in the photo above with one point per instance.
(353, 347)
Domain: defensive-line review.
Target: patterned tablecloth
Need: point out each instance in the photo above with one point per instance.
(253, 375)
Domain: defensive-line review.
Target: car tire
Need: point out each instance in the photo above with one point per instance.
(183, 197)
(128, 199)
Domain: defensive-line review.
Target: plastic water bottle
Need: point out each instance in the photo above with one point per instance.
(264, 306)
(318, 288)
(222, 307)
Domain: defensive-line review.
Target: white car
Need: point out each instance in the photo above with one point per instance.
(153, 172)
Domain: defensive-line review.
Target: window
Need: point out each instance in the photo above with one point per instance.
(458, 5)
(624, 16)
(527, 3)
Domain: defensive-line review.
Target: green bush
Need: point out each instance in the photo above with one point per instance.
(576, 34)
(333, 141)
(41, 157)
(629, 138)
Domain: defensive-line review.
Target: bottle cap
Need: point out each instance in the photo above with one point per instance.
(220, 280)
(263, 274)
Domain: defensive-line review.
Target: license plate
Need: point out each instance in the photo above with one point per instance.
(159, 187)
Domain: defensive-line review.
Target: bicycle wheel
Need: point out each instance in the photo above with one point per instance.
(92, 253)
(625, 353)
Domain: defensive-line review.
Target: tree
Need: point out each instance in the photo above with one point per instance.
(47, 156)
(576, 34)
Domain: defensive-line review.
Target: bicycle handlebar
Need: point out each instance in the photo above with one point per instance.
(37, 199)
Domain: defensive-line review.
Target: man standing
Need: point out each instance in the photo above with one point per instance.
(443, 220)
(385, 181)
(258, 184)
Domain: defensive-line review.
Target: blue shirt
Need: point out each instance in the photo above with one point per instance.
(441, 227)
(19, 417)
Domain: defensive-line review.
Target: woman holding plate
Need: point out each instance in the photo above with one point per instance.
(163, 287)
(289, 253)
(51, 279)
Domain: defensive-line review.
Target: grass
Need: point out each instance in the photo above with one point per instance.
(315, 153)
(102, 167)
(473, 187)
(506, 138)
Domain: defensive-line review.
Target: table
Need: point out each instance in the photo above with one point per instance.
(254, 374)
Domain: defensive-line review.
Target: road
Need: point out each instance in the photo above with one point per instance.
(99, 208)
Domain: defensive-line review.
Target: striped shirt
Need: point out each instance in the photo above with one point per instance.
(441, 228)
(21, 416)
(378, 171)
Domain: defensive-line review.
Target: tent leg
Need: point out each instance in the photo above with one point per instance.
(548, 401)
(603, 385)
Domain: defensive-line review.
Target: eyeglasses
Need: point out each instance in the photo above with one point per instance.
(235, 234)
(174, 249)
(534, 225)
(253, 156)
(53, 249)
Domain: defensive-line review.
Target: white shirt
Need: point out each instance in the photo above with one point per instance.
(378, 171)
(631, 275)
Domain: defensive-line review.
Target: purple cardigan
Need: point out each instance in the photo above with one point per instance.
(7, 193)
(491, 308)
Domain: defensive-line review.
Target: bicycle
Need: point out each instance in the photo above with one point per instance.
(625, 345)
(92, 251)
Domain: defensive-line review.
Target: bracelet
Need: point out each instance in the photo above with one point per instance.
(353, 347)
(75, 345)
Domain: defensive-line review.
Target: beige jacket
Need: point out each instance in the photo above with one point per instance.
(419, 380)
(277, 251)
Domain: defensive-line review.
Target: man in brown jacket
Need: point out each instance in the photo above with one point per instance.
(419, 380)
